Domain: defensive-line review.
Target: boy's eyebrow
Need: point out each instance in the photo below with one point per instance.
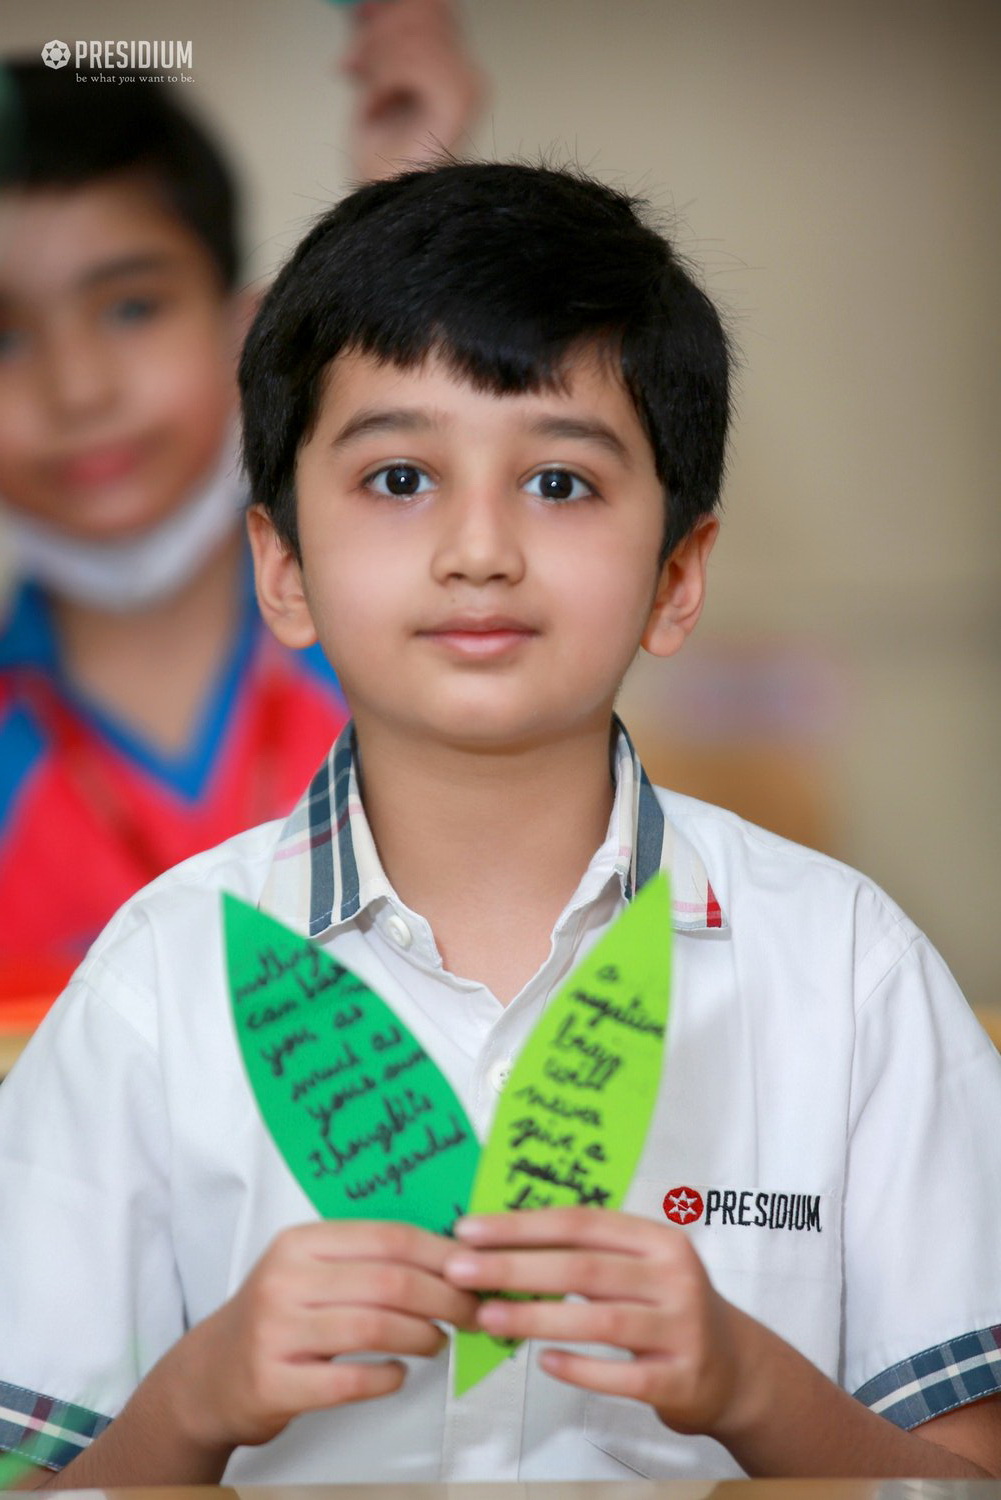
(125, 265)
(403, 419)
(382, 419)
(110, 270)
(587, 429)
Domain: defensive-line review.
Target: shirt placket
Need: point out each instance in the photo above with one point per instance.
(483, 1427)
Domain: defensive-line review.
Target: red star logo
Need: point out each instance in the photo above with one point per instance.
(683, 1205)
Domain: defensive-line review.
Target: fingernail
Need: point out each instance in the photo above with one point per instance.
(469, 1228)
(462, 1267)
(493, 1316)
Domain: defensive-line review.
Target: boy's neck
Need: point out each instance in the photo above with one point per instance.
(488, 848)
(154, 667)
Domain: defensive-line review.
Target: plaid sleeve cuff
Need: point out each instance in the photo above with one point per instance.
(41, 1431)
(937, 1380)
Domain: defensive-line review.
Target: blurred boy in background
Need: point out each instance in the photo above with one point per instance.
(145, 713)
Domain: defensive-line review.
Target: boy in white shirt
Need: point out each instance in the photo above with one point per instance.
(485, 416)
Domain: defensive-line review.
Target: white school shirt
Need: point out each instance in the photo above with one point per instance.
(827, 1134)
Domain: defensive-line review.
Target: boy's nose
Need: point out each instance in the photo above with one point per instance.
(479, 539)
(77, 375)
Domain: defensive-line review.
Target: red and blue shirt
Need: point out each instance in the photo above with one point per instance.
(90, 811)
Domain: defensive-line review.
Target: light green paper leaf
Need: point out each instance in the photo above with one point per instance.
(366, 1121)
(573, 1117)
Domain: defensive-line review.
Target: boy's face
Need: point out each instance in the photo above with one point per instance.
(479, 569)
(117, 352)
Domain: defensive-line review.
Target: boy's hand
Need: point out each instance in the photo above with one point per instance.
(647, 1293)
(702, 1364)
(321, 1290)
(418, 89)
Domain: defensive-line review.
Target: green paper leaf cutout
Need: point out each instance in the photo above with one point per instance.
(366, 1121)
(573, 1117)
(371, 1128)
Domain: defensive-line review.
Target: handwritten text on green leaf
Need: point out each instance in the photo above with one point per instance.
(572, 1119)
(365, 1119)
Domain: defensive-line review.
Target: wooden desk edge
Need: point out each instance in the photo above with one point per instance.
(638, 1489)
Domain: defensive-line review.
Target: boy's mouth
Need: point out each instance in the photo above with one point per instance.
(479, 636)
(98, 465)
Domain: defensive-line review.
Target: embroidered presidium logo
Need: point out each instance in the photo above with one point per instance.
(743, 1209)
(683, 1205)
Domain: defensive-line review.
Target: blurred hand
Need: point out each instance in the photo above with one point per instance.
(419, 92)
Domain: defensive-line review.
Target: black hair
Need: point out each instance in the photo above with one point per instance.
(57, 133)
(505, 270)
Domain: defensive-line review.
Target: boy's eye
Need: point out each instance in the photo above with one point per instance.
(400, 479)
(133, 310)
(559, 484)
(10, 342)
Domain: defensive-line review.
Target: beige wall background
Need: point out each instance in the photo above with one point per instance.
(833, 169)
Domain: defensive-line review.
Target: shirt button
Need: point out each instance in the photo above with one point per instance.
(399, 931)
(499, 1075)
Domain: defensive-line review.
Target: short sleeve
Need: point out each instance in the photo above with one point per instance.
(922, 1218)
(89, 1295)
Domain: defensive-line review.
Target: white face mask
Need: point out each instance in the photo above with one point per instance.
(138, 571)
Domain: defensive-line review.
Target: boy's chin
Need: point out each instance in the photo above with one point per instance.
(477, 733)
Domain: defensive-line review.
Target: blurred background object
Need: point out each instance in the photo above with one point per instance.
(751, 724)
(833, 170)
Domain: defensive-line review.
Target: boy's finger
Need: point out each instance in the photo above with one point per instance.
(314, 1386)
(606, 1230)
(648, 1380)
(640, 1329)
(391, 1285)
(326, 1332)
(589, 1273)
(364, 1239)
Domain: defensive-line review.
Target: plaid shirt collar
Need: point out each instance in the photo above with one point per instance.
(326, 870)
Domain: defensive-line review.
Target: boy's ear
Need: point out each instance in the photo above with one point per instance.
(278, 578)
(681, 591)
